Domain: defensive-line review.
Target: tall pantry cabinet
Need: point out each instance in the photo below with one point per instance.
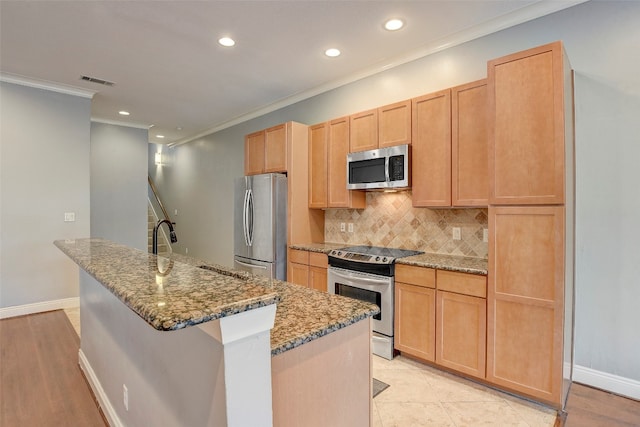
(531, 223)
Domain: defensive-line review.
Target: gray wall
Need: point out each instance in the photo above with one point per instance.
(119, 184)
(601, 39)
(44, 172)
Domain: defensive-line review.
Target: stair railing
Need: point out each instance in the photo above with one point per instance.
(153, 196)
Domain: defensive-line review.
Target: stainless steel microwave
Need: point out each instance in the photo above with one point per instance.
(379, 169)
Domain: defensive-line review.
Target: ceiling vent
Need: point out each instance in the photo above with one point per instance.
(97, 80)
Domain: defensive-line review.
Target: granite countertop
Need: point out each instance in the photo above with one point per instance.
(440, 261)
(460, 264)
(324, 248)
(193, 295)
(168, 295)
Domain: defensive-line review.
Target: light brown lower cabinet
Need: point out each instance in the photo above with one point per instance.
(415, 319)
(415, 311)
(308, 269)
(461, 333)
(441, 317)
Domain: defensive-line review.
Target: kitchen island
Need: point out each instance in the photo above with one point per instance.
(177, 341)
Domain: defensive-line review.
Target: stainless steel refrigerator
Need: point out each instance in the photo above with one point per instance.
(260, 225)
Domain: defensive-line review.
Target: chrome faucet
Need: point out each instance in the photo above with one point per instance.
(172, 234)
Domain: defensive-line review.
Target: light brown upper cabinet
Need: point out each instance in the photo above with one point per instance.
(469, 141)
(381, 127)
(318, 139)
(431, 150)
(394, 124)
(254, 153)
(266, 151)
(328, 148)
(275, 149)
(529, 93)
(364, 131)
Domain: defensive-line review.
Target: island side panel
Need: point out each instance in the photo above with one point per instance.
(172, 377)
(326, 382)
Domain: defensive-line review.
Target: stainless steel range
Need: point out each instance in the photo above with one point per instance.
(367, 273)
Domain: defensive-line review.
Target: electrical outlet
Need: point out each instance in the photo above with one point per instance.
(125, 396)
(485, 234)
(69, 216)
(350, 227)
(456, 233)
(186, 251)
(342, 227)
(175, 211)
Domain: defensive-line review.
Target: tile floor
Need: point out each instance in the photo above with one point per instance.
(420, 395)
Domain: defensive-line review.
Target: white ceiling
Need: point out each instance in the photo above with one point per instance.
(170, 72)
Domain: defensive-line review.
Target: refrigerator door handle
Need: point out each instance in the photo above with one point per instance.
(250, 218)
(244, 218)
(246, 264)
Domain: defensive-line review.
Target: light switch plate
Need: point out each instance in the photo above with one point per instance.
(342, 227)
(485, 235)
(69, 216)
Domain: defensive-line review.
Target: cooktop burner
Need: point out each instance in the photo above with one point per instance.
(372, 254)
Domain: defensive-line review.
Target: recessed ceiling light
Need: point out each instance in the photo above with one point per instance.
(226, 41)
(123, 113)
(160, 136)
(332, 53)
(179, 128)
(394, 24)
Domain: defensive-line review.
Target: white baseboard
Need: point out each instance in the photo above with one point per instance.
(104, 402)
(39, 307)
(605, 381)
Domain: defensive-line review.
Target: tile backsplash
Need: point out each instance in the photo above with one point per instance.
(390, 220)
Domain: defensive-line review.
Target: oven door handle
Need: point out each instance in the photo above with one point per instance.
(360, 278)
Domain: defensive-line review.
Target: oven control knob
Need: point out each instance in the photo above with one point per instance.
(377, 258)
(384, 259)
(339, 253)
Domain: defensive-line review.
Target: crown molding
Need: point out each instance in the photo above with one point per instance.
(516, 17)
(47, 85)
(120, 123)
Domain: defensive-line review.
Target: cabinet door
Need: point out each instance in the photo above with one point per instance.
(318, 136)
(415, 320)
(394, 124)
(461, 334)
(275, 149)
(525, 300)
(469, 140)
(431, 150)
(318, 278)
(364, 131)
(254, 153)
(527, 126)
(298, 274)
(338, 196)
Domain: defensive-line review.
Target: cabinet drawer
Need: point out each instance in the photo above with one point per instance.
(318, 260)
(298, 256)
(419, 276)
(462, 283)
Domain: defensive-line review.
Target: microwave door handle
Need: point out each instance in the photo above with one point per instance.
(386, 168)
(360, 279)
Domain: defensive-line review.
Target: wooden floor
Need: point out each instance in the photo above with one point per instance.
(40, 381)
(589, 407)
